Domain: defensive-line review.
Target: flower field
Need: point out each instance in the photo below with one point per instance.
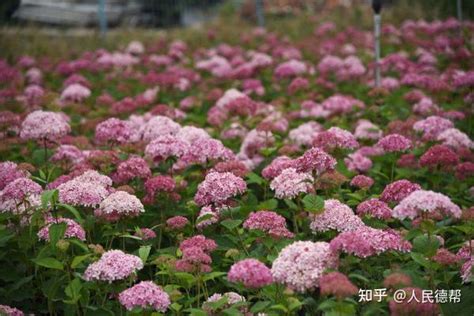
(229, 172)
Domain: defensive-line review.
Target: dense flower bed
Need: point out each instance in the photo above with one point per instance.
(265, 178)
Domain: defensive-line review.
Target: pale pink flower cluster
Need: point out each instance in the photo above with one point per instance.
(73, 229)
(368, 241)
(203, 151)
(300, 264)
(432, 126)
(118, 205)
(146, 295)
(158, 126)
(74, 93)
(345, 69)
(357, 162)
(8, 172)
(88, 189)
(166, 146)
(303, 135)
(177, 222)
(277, 165)
(362, 182)
(115, 130)
(135, 48)
(43, 125)
(367, 130)
(290, 68)
(268, 222)
(19, 196)
(68, 153)
(335, 137)
(251, 273)
(290, 183)
(456, 139)
(232, 298)
(421, 201)
(10, 311)
(219, 187)
(338, 104)
(113, 265)
(335, 216)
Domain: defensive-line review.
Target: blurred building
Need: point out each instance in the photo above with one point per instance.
(118, 12)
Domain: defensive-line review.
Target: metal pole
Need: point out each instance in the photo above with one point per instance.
(377, 49)
(259, 13)
(102, 18)
(459, 7)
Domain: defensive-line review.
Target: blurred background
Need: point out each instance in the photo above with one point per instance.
(177, 13)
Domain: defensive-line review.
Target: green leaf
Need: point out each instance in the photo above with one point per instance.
(144, 252)
(73, 291)
(230, 224)
(260, 306)
(195, 312)
(313, 203)
(72, 210)
(78, 259)
(427, 245)
(268, 205)
(47, 198)
(50, 263)
(217, 304)
(205, 217)
(213, 275)
(56, 232)
(420, 259)
(254, 178)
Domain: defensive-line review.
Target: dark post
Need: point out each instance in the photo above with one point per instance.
(102, 18)
(259, 13)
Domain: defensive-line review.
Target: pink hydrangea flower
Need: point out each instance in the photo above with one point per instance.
(362, 182)
(159, 126)
(177, 222)
(422, 201)
(398, 190)
(112, 266)
(335, 137)
(336, 216)
(290, 183)
(268, 222)
(394, 143)
(118, 205)
(145, 233)
(315, 160)
(10, 311)
(166, 146)
(81, 193)
(116, 131)
(232, 298)
(75, 93)
(304, 134)
(277, 165)
(133, 167)
(432, 126)
(367, 130)
(337, 284)
(146, 295)
(375, 208)
(218, 187)
(358, 162)
(290, 68)
(73, 229)
(439, 155)
(251, 273)
(408, 306)
(8, 172)
(454, 138)
(196, 254)
(301, 264)
(39, 125)
(368, 241)
(68, 153)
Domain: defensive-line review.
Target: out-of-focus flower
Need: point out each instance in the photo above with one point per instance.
(337, 284)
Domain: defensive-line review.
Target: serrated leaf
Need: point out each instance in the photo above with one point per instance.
(230, 224)
(313, 203)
